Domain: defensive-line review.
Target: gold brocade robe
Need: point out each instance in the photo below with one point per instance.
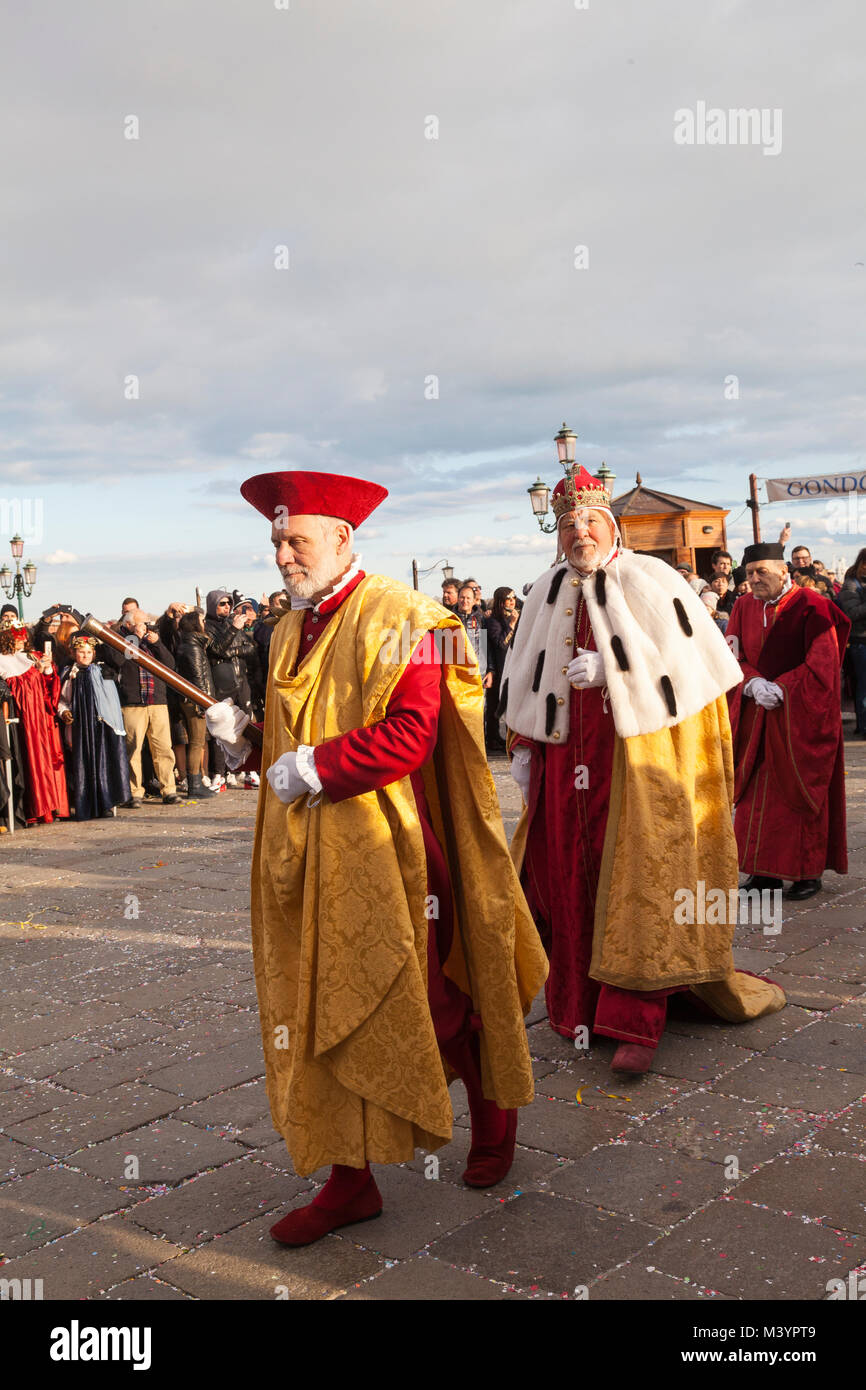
(669, 828)
(339, 929)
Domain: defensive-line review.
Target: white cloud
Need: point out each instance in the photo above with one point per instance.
(60, 557)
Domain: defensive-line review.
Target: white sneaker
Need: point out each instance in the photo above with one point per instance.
(231, 780)
(205, 780)
(252, 779)
(217, 782)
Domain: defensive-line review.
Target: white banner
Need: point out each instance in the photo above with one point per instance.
(826, 485)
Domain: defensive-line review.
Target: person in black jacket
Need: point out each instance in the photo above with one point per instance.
(851, 598)
(145, 708)
(501, 627)
(191, 661)
(228, 650)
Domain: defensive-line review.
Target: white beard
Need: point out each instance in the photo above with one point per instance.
(312, 581)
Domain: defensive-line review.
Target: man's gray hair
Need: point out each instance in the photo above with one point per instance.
(330, 523)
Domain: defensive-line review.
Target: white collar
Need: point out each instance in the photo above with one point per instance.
(16, 664)
(771, 602)
(337, 587)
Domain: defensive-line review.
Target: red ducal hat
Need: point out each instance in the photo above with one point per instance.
(313, 494)
(578, 489)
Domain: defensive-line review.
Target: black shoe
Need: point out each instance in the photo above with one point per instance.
(134, 804)
(197, 790)
(172, 800)
(802, 889)
(761, 882)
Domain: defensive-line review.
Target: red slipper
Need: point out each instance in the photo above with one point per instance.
(632, 1058)
(307, 1224)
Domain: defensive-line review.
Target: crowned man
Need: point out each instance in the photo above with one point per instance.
(614, 692)
(392, 944)
(787, 723)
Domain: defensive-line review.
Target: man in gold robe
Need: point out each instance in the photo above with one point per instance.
(393, 947)
(620, 740)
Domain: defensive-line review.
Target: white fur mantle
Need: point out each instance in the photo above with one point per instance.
(664, 656)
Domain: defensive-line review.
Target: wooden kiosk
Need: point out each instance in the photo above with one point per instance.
(676, 529)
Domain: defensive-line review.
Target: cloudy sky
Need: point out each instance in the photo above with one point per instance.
(429, 171)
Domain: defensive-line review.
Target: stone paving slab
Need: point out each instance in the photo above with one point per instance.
(541, 1242)
(229, 1110)
(829, 1189)
(842, 1044)
(213, 1203)
(659, 1186)
(428, 1280)
(52, 1059)
(49, 1203)
(752, 1253)
(17, 1159)
(92, 1260)
(845, 1134)
(218, 1070)
(246, 1264)
(26, 1101)
(103, 1073)
(793, 1084)
(636, 1280)
(417, 1211)
(145, 1288)
(707, 1125)
(86, 1119)
(166, 1152)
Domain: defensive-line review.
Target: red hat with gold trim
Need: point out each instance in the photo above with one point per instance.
(578, 489)
(278, 495)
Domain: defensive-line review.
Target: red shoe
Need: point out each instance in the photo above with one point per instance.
(632, 1058)
(489, 1163)
(308, 1224)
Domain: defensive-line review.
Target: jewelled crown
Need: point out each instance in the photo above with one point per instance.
(578, 489)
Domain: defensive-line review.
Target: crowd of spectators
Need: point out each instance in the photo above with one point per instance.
(52, 764)
(162, 751)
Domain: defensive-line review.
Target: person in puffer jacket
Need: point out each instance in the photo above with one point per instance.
(229, 648)
(191, 661)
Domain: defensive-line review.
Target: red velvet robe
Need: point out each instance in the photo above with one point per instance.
(789, 761)
(366, 759)
(36, 696)
(562, 864)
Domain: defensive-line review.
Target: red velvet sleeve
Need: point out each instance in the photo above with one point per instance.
(401, 743)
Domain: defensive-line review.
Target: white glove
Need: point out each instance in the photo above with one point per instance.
(225, 721)
(586, 669)
(521, 770)
(765, 693)
(772, 696)
(285, 779)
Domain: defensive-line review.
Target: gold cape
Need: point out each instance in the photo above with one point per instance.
(339, 929)
(669, 827)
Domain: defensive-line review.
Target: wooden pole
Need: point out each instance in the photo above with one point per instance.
(754, 505)
(414, 574)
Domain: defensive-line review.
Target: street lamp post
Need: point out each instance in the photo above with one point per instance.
(447, 571)
(539, 492)
(17, 586)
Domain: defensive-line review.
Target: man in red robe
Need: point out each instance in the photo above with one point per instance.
(787, 725)
(36, 690)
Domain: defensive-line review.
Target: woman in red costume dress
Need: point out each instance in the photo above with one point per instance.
(35, 686)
